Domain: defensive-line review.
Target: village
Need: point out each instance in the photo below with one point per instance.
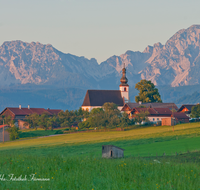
(91, 115)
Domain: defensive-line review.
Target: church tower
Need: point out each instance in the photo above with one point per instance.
(124, 87)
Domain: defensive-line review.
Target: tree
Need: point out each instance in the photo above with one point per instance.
(148, 92)
(125, 121)
(9, 121)
(32, 120)
(195, 112)
(142, 116)
(13, 132)
(43, 121)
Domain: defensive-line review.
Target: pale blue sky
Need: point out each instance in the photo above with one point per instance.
(96, 28)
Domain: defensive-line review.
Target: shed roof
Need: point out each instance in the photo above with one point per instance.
(113, 146)
(99, 97)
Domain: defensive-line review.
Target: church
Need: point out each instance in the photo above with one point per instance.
(96, 98)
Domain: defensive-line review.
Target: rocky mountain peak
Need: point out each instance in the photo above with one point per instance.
(175, 63)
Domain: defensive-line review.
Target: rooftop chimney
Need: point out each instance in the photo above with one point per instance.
(20, 107)
(140, 102)
(29, 107)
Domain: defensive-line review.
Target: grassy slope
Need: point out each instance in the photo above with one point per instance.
(75, 162)
(93, 137)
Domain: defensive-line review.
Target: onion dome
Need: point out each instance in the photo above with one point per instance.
(124, 80)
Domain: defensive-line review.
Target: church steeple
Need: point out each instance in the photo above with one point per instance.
(124, 87)
(124, 80)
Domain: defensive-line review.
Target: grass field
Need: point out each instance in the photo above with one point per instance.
(73, 161)
(94, 173)
(93, 137)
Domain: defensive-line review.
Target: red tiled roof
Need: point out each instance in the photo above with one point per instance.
(1, 126)
(26, 111)
(180, 115)
(155, 111)
(151, 105)
(163, 111)
(53, 111)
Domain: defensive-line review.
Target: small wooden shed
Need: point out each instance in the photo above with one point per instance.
(111, 151)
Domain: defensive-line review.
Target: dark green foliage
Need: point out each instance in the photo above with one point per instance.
(148, 92)
(195, 113)
(13, 132)
(106, 117)
(32, 120)
(142, 116)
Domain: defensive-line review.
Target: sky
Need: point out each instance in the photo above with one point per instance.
(96, 28)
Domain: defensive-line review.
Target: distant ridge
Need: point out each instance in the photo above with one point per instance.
(177, 63)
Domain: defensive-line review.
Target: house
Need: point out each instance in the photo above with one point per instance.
(176, 117)
(19, 114)
(186, 108)
(163, 115)
(4, 134)
(129, 106)
(110, 151)
(155, 114)
(96, 98)
(181, 117)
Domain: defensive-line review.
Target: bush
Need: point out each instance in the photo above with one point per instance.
(59, 132)
(13, 133)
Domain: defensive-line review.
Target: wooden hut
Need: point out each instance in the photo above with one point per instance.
(111, 151)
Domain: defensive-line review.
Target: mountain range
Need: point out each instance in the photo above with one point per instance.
(176, 63)
(35, 65)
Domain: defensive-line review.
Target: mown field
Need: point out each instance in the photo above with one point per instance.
(73, 161)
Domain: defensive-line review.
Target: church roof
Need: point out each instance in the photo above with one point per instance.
(99, 97)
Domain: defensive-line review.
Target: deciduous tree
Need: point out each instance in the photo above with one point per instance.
(195, 112)
(148, 92)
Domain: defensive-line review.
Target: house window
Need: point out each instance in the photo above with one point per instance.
(153, 119)
(111, 153)
(125, 89)
(157, 119)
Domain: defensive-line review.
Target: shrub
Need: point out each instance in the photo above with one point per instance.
(13, 132)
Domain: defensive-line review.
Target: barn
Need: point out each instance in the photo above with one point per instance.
(111, 151)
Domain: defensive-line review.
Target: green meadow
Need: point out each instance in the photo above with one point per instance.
(73, 161)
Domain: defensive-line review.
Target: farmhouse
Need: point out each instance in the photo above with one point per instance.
(96, 98)
(155, 114)
(110, 151)
(186, 108)
(128, 107)
(162, 115)
(18, 114)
